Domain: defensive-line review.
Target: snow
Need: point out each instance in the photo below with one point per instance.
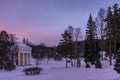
(22, 48)
(56, 70)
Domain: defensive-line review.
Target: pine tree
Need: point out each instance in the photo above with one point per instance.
(65, 47)
(24, 41)
(116, 21)
(116, 26)
(91, 52)
(109, 33)
(6, 41)
(89, 43)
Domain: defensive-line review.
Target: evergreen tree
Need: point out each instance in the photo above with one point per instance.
(116, 26)
(91, 51)
(65, 47)
(89, 45)
(116, 22)
(6, 40)
(109, 33)
(112, 30)
(24, 41)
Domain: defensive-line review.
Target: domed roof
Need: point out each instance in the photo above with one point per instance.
(20, 47)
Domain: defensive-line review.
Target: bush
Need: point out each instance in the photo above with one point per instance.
(32, 71)
(58, 58)
(98, 64)
(9, 66)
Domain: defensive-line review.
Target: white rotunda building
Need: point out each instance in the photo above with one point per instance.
(21, 54)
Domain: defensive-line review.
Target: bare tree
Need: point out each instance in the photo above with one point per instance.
(71, 31)
(77, 35)
(101, 25)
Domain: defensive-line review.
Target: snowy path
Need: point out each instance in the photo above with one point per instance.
(56, 71)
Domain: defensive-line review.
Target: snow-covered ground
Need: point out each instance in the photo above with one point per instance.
(56, 70)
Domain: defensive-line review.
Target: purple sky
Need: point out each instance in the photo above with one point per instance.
(45, 20)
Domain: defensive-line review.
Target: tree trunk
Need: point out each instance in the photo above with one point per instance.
(48, 60)
(74, 61)
(110, 53)
(115, 42)
(66, 62)
(44, 60)
(71, 62)
(102, 48)
(78, 63)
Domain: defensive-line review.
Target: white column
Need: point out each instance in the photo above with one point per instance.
(18, 58)
(30, 59)
(23, 59)
(27, 59)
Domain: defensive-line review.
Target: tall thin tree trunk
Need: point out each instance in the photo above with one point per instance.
(48, 60)
(110, 53)
(74, 62)
(71, 62)
(76, 52)
(44, 60)
(102, 47)
(66, 62)
(115, 42)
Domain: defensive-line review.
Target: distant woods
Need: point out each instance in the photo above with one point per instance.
(42, 53)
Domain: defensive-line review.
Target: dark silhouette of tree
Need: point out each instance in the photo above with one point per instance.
(109, 33)
(65, 47)
(6, 40)
(26, 41)
(112, 30)
(116, 26)
(91, 51)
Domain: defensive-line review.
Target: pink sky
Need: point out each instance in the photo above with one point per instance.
(44, 20)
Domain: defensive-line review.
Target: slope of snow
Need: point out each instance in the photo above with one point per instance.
(56, 70)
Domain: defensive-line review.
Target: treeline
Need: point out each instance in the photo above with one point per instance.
(42, 53)
(105, 27)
